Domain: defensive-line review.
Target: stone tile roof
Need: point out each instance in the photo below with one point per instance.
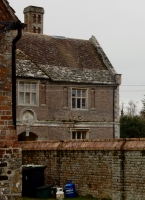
(63, 59)
(47, 50)
(78, 75)
(26, 68)
(99, 144)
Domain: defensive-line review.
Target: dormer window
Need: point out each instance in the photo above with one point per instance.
(39, 19)
(34, 29)
(34, 18)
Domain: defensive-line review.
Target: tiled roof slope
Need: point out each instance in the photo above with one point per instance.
(99, 144)
(27, 68)
(63, 59)
(47, 50)
(78, 75)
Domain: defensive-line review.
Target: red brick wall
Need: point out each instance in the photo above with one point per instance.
(10, 157)
(8, 135)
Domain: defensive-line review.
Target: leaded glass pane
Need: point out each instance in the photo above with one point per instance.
(83, 93)
(78, 93)
(78, 103)
(83, 103)
(21, 98)
(27, 87)
(27, 96)
(21, 86)
(83, 135)
(73, 93)
(33, 87)
(33, 98)
(78, 135)
(73, 102)
(73, 135)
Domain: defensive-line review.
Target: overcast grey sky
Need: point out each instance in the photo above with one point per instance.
(118, 25)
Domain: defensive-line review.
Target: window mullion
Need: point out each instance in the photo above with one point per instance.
(30, 97)
(30, 93)
(24, 94)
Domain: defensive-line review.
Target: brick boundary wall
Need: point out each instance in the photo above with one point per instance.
(109, 168)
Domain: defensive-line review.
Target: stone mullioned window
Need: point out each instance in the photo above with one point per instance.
(79, 98)
(28, 93)
(79, 134)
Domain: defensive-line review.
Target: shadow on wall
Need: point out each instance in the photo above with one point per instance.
(31, 137)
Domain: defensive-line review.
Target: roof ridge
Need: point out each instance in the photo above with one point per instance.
(55, 36)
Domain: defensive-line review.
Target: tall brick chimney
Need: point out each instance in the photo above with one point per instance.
(33, 17)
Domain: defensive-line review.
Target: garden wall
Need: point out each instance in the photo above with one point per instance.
(109, 168)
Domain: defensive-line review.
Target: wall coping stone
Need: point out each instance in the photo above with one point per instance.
(94, 144)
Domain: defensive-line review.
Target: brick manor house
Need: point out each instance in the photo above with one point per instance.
(66, 88)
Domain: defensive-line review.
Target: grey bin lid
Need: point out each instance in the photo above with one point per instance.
(44, 187)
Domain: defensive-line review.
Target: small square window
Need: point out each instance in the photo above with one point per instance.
(79, 98)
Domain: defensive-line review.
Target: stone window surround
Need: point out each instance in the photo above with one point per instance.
(86, 98)
(37, 92)
(76, 130)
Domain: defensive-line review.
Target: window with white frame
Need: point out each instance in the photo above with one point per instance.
(27, 93)
(79, 134)
(79, 98)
